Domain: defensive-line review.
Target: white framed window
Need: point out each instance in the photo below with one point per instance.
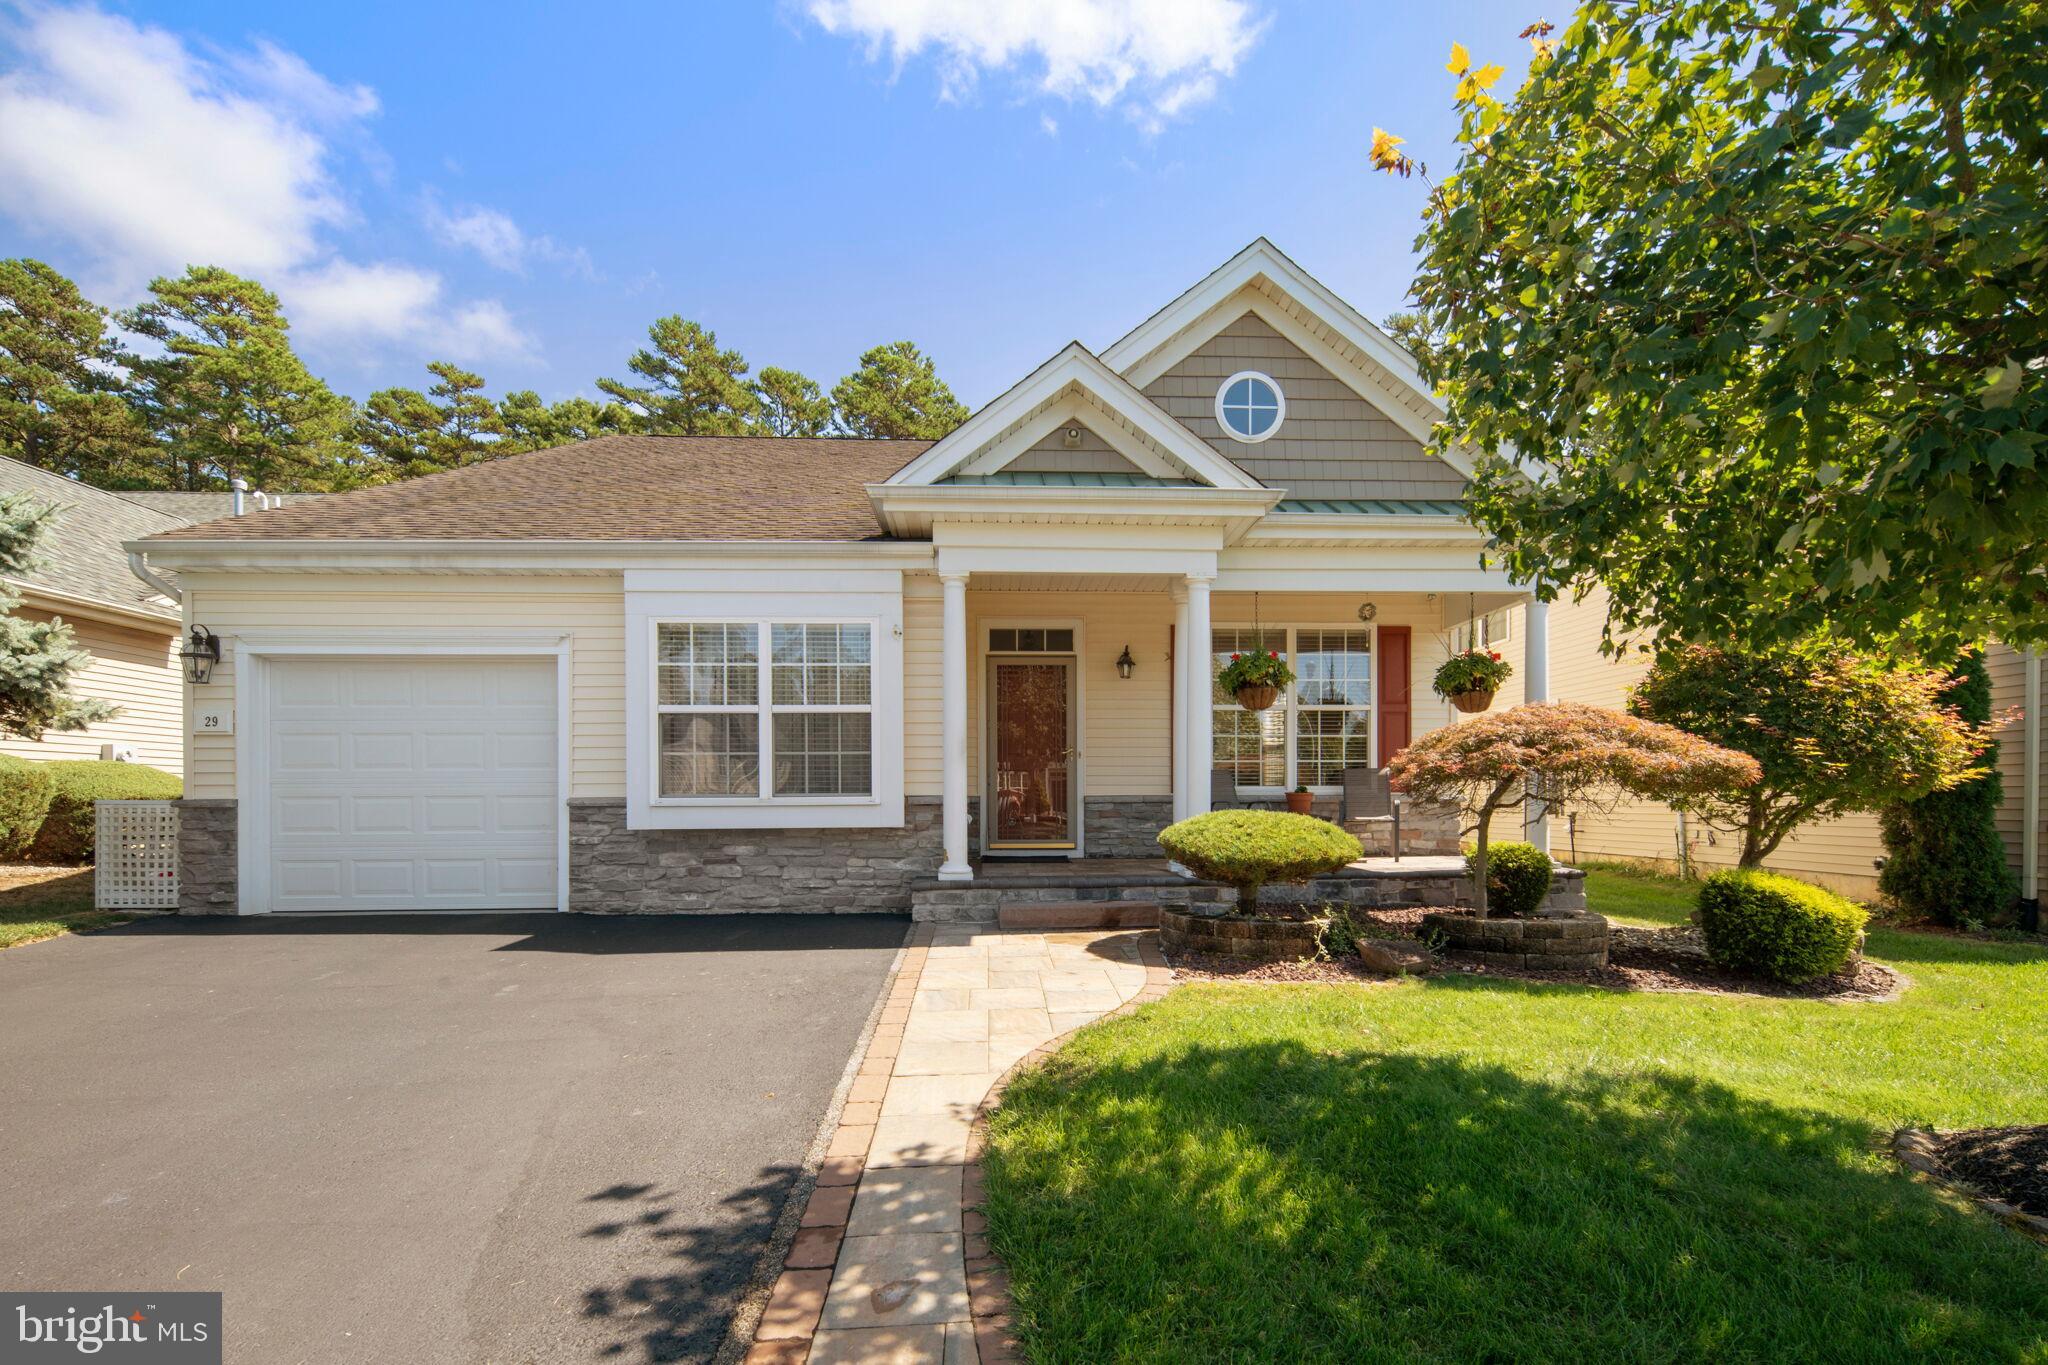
(1490, 631)
(802, 727)
(1252, 744)
(1319, 727)
(1250, 406)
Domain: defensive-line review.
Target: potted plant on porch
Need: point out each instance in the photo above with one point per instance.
(1301, 801)
(1255, 678)
(1469, 678)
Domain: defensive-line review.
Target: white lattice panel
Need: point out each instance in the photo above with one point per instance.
(136, 855)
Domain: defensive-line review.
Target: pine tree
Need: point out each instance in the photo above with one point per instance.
(229, 397)
(693, 388)
(38, 659)
(468, 418)
(527, 423)
(896, 392)
(399, 431)
(792, 404)
(1943, 858)
(61, 376)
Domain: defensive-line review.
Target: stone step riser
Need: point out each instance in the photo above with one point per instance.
(1081, 915)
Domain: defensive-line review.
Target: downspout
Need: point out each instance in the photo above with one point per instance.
(139, 566)
(2030, 802)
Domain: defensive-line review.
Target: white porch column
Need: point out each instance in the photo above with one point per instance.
(1536, 687)
(1200, 746)
(953, 728)
(1177, 741)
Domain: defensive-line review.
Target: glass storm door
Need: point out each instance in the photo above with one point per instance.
(1035, 787)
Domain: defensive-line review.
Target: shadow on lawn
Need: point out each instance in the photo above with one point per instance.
(1339, 1204)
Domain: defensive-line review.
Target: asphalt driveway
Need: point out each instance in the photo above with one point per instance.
(446, 1138)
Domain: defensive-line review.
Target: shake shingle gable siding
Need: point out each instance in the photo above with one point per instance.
(612, 488)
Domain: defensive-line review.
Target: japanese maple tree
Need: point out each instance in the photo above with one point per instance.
(1565, 754)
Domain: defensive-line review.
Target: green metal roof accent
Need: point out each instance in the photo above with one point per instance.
(1374, 507)
(1057, 479)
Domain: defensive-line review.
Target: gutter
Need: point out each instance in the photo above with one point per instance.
(138, 564)
(2030, 802)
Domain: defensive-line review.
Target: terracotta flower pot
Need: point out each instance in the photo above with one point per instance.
(1472, 702)
(1257, 698)
(1301, 803)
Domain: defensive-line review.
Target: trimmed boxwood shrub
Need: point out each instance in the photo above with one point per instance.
(1517, 878)
(25, 790)
(67, 832)
(1249, 848)
(1778, 927)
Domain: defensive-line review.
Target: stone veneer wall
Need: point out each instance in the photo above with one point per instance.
(1125, 826)
(621, 871)
(206, 857)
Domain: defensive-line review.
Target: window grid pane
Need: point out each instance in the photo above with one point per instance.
(1252, 744)
(823, 754)
(1333, 690)
(820, 665)
(714, 753)
(706, 665)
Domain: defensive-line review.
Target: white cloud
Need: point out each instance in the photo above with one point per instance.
(1049, 125)
(1153, 58)
(149, 155)
(501, 242)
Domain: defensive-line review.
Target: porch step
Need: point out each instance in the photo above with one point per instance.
(1080, 915)
(1106, 887)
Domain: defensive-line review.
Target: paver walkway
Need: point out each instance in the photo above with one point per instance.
(881, 1268)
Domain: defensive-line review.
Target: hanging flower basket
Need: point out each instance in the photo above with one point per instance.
(1255, 678)
(1253, 698)
(1469, 678)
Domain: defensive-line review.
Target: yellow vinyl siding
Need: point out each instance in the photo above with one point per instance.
(590, 610)
(1840, 853)
(138, 671)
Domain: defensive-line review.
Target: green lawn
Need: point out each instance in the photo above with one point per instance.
(1465, 1168)
(40, 903)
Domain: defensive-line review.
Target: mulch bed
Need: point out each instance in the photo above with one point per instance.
(1672, 959)
(2004, 1170)
(2006, 1163)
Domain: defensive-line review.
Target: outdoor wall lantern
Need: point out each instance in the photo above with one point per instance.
(200, 654)
(1125, 664)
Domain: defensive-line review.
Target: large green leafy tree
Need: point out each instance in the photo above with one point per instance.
(691, 386)
(1943, 857)
(61, 377)
(39, 660)
(896, 392)
(1835, 732)
(1756, 287)
(792, 404)
(227, 396)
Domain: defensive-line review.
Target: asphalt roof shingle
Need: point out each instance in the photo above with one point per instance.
(81, 551)
(609, 488)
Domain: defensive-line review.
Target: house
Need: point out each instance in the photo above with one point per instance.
(652, 674)
(130, 630)
(1841, 853)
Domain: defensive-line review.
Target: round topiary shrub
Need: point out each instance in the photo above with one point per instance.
(1778, 927)
(67, 832)
(25, 791)
(1249, 848)
(1517, 879)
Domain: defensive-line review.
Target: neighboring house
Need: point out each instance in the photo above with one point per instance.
(130, 630)
(1842, 853)
(708, 673)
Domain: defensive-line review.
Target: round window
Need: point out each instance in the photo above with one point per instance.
(1250, 406)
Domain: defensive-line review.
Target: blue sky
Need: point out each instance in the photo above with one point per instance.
(524, 188)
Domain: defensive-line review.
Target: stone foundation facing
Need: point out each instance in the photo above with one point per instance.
(206, 857)
(1125, 826)
(620, 871)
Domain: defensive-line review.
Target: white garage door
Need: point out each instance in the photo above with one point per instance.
(412, 784)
